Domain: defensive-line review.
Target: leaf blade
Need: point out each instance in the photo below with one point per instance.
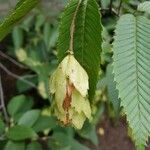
(21, 9)
(131, 69)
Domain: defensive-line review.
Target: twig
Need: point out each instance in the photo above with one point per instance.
(1, 106)
(110, 6)
(113, 11)
(12, 60)
(3, 102)
(16, 76)
(119, 8)
(29, 76)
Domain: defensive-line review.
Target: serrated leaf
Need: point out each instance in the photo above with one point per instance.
(21, 132)
(112, 91)
(84, 16)
(29, 118)
(131, 70)
(144, 7)
(21, 9)
(15, 146)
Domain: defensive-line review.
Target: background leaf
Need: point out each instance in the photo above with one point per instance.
(15, 146)
(19, 104)
(22, 8)
(2, 126)
(112, 91)
(34, 146)
(20, 132)
(144, 7)
(87, 37)
(44, 122)
(29, 118)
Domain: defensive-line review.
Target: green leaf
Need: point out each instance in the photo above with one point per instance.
(19, 104)
(21, 9)
(44, 122)
(17, 36)
(132, 68)
(2, 126)
(20, 132)
(34, 146)
(89, 132)
(29, 118)
(85, 17)
(22, 87)
(61, 141)
(112, 91)
(15, 146)
(144, 7)
(3, 144)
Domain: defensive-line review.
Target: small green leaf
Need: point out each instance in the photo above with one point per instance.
(2, 126)
(21, 132)
(21, 9)
(22, 87)
(17, 36)
(78, 146)
(89, 132)
(61, 141)
(44, 122)
(46, 33)
(34, 146)
(18, 104)
(29, 118)
(15, 146)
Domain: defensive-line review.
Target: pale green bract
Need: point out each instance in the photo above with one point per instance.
(71, 80)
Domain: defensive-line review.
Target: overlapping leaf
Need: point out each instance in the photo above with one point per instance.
(85, 17)
(144, 7)
(21, 9)
(132, 73)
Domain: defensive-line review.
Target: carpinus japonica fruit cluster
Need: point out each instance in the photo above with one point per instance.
(69, 85)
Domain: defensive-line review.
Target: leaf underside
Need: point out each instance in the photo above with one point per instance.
(132, 73)
(86, 38)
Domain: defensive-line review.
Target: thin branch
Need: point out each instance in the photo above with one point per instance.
(1, 106)
(110, 6)
(16, 76)
(119, 8)
(3, 102)
(12, 60)
(113, 11)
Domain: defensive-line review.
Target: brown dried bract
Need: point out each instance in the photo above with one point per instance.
(67, 101)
